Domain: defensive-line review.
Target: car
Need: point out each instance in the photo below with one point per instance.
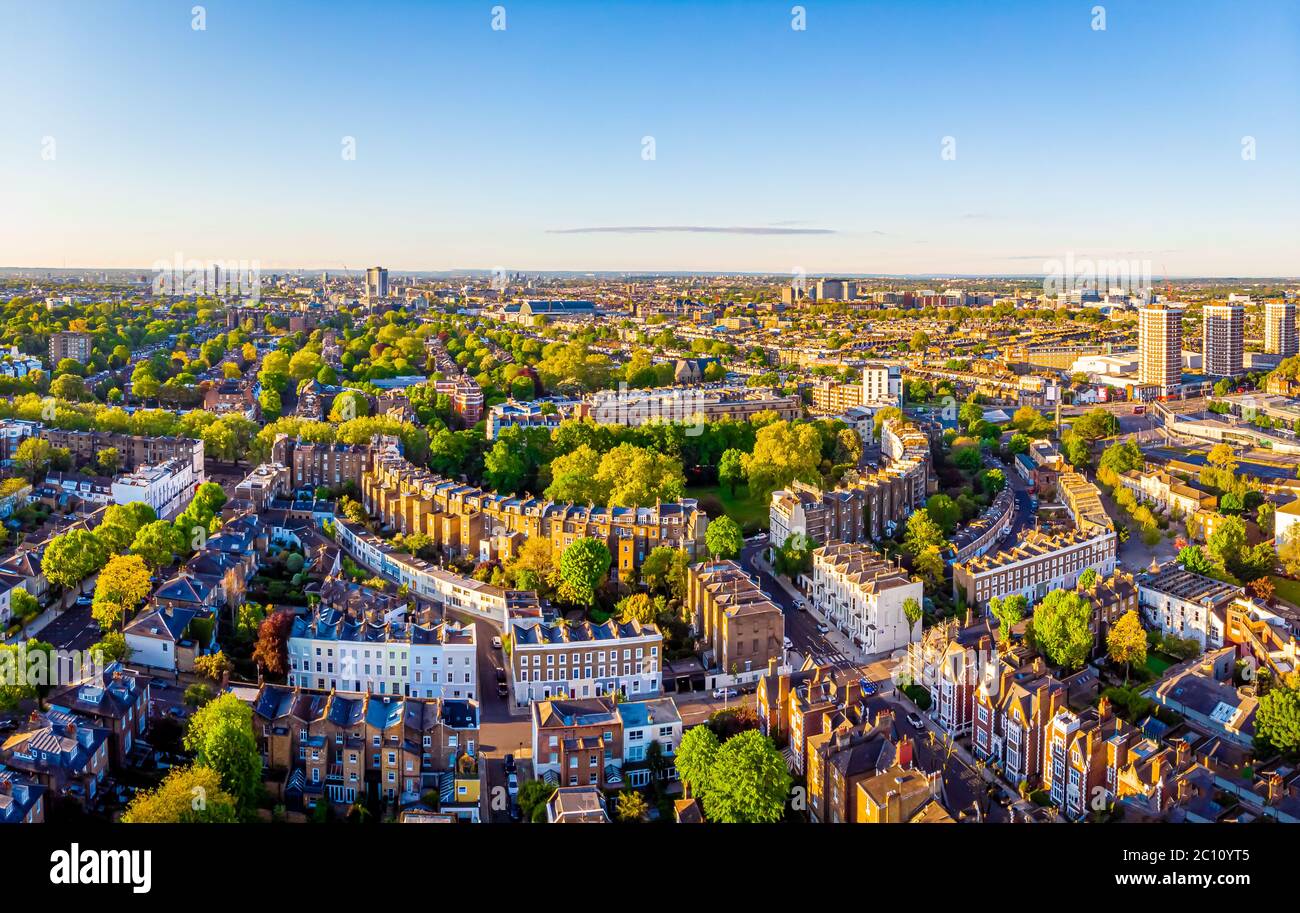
(723, 693)
(496, 643)
(823, 627)
(801, 606)
(512, 784)
(8, 725)
(511, 766)
(915, 719)
(516, 813)
(868, 686)
(789, 644)
(84, 600)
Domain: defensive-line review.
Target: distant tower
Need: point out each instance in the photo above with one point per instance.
(1279, 328)
(376, 282)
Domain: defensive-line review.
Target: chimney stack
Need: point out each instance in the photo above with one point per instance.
(905, 752)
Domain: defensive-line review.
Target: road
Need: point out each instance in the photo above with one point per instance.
(73, 630)
(800, 627)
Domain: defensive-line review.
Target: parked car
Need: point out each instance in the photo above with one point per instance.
(512, 784)
(725, 692)
(496, 643)
(511, 766)
(516, 813)
(915, 719)
(823, 627)
(789, 644)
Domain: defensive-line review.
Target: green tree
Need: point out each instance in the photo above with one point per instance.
(944, 511)
(1061, 628)
(72, 557)
(220, 735)
(122, 585)
(632, 807)
(731, 468)
(695, 756)
(664, 570)
(32, 458)
(583, 567)
(157, 543)
(1277, 721)
(748, 782)
(912, 612)
(922, 532)
(1009, 611)
(783, 451)
(1126, 642)
(532, 799)
(187, 795)
(724, 538)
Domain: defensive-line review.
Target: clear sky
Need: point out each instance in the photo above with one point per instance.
(774, 149)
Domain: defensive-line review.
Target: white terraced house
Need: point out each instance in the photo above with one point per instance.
(332, 651)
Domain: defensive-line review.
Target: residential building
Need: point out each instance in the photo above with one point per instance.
(1160, 346)
(133, 450)
(743, 629)
(465, 520)
(577, 805)
(950, 661)
(167, 487)
(64, 753)
(1177, 602)
(1280, 328)
(113, 698)
(1076, 758)
(585, 660)
(578, 742)
(1222, 338)
(328, 745)
(431, 582)
(1012, 711)
(882, 383)
(652, 730)
(22, 799)
(1040, 563)
(74, 345)
(331, 650)
(863, 595)
(1202, 691)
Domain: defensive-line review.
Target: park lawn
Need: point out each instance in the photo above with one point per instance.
(1287, 589)
(744, 508)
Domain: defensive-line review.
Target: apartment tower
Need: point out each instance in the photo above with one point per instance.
(1279, 328)
(1223, 326)
(1160, 345)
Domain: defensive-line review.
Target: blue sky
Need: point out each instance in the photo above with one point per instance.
(478, 148)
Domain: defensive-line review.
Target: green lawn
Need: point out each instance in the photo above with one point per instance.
(1157, 664)
(1287, 589)
(743, 508)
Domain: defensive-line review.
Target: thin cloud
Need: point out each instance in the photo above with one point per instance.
(690, 229)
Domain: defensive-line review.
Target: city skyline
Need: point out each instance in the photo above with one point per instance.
(524, 148)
